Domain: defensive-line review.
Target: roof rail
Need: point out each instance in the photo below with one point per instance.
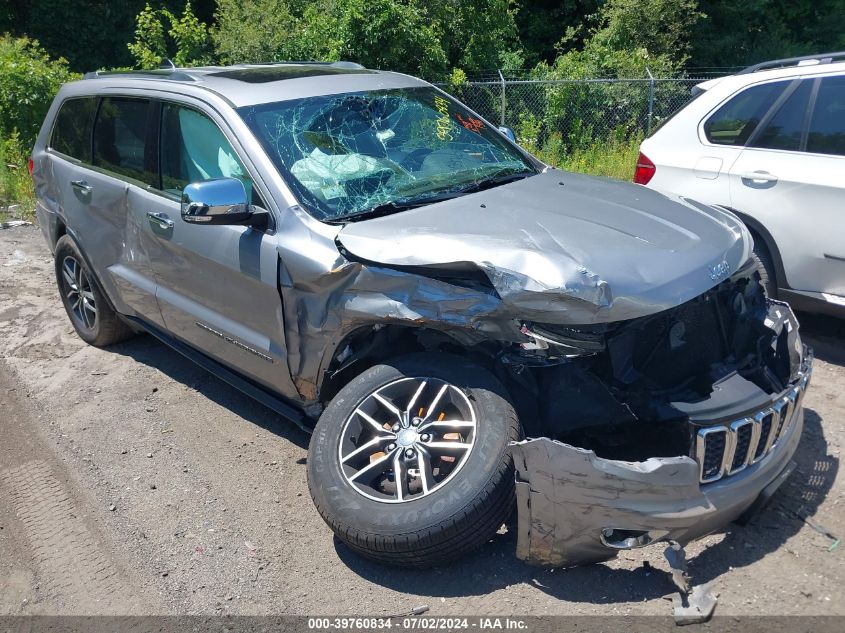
(822, 58)
(160, 73)
(337, 64)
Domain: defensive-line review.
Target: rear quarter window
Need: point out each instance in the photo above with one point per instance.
(827, 127)
(735, 121)
(73, 127)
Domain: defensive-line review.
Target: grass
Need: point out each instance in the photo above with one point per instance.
(17, 198)
(613, 158)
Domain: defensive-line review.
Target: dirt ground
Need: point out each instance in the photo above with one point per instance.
(131, 481)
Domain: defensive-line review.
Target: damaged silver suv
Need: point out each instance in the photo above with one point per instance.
(459, 324)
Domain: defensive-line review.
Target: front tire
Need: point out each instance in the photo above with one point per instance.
(92, 316)
(409, 464)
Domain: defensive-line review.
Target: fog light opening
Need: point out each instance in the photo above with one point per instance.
(618, 538)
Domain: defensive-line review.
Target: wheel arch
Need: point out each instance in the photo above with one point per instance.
(369, 345)
(761, 233)
(61, 230)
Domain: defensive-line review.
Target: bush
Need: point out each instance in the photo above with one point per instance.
(29, 80)
(377, 33)
(15, 183)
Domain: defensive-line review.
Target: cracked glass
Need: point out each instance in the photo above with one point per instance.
(355, 155)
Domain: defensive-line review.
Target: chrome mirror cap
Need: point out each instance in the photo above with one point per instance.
(218, 201)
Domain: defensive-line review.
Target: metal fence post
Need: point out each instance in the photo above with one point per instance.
(650, 100)
(504, 103)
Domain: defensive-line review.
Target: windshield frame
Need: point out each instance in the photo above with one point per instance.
(317, 209)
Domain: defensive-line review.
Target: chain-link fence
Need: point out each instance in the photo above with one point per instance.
(575, 113)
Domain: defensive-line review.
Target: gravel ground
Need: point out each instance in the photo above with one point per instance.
(132, 481)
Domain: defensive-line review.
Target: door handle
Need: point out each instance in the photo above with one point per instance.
(161, 219)
(759, 176)
(82, 186)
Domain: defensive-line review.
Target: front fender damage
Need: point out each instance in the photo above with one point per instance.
(355, 295)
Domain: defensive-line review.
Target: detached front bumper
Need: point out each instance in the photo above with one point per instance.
(577, 508)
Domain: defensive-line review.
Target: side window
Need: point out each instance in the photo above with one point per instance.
(733, 123)
(785, 128)
(194, 149)
(121, 139)
(827, 126)
(72, 130)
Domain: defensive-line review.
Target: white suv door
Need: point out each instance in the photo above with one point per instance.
(791, 178)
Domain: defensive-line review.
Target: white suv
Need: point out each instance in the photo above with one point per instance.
(769, 145)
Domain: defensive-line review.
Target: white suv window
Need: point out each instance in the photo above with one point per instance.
(736, 120)
(827, 127)
(785, 129)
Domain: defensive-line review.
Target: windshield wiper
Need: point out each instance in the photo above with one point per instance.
(388, 208)
(394, 207)
(495, 181)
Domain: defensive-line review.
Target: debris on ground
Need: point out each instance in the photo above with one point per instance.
(415, 611)
(696, 607)
(691, 605)
(9, 224)
(804, 515)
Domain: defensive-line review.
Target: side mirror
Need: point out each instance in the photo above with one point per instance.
(508, 132)
(219, 201)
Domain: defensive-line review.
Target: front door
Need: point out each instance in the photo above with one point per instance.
(217, 285)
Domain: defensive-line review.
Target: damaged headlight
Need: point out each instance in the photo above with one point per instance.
(563, 340)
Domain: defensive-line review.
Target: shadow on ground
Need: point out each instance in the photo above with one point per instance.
(826, 335)
(149, 351)
(495, 567)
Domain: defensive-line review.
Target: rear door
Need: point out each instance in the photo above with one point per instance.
(100, 160)
(217, 285)
(790, 178)
(725, 132)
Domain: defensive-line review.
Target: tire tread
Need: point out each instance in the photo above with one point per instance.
(466, 530)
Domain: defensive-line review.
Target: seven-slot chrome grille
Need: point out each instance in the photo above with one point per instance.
(727, 449)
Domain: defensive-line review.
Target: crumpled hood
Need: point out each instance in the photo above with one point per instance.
(566, 248)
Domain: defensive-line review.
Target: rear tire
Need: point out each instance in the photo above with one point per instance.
(86, 305)
(766, 268)
(404, 520)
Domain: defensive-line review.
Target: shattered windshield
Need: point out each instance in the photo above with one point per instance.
(355, 155)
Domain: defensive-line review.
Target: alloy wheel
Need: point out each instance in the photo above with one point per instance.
(407, 439)
(79, 293)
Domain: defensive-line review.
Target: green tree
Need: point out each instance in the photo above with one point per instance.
(390, 35)
(626, 36)
(756, 30)
(29, 80)
(476, 36)
(251, 31)
(160, 34)
(377, 33)
(543, 23)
